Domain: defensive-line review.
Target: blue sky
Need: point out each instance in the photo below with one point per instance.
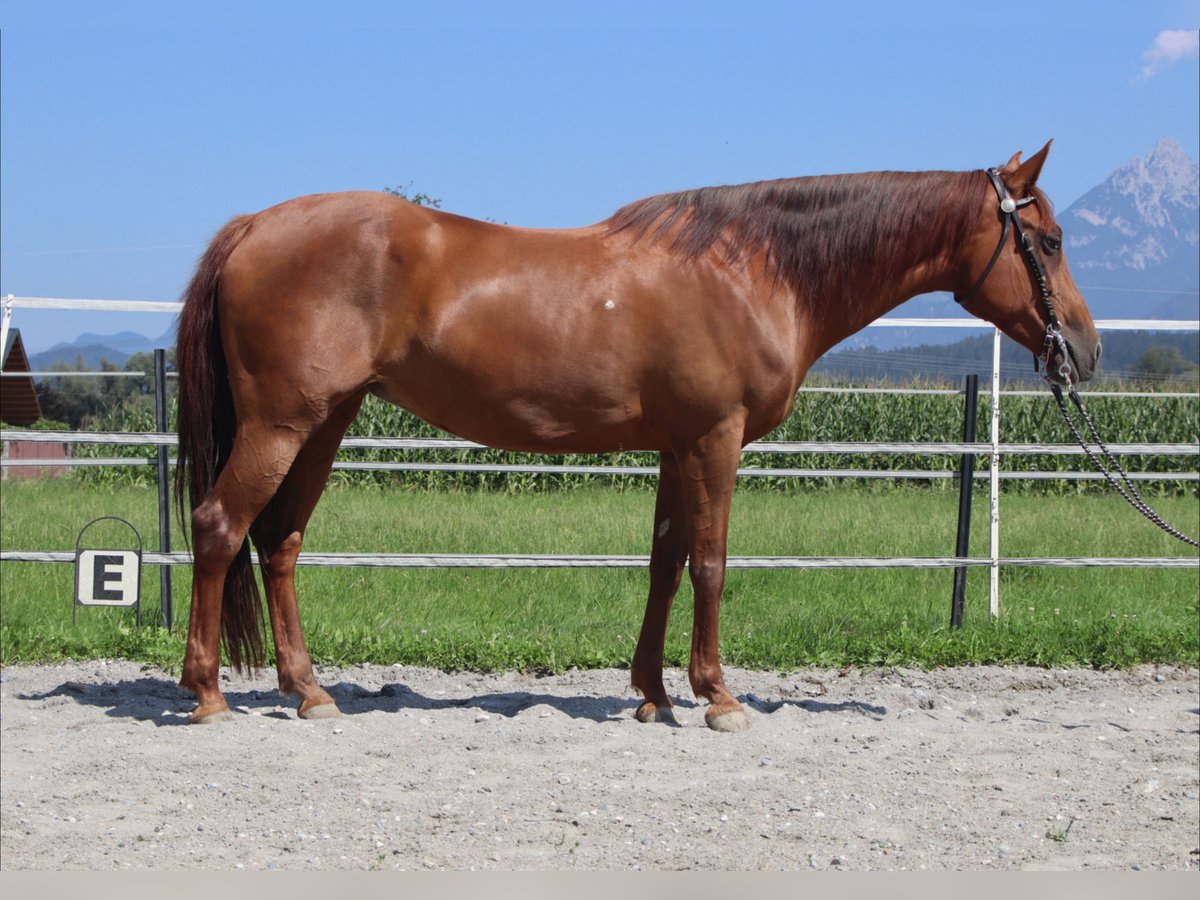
(132, 131)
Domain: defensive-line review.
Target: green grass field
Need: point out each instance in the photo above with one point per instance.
(555, 619)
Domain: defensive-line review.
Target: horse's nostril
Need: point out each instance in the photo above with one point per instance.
(1099, 349)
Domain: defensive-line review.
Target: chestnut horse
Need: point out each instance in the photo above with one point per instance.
(684, 325)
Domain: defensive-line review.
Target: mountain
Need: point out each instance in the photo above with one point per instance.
(92, 348)
(1134, 241)
(127, 342)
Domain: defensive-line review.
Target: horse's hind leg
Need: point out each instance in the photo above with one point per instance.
(668, 554)
(278, 533)
(260, 458)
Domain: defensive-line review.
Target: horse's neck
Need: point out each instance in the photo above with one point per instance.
(870, 296)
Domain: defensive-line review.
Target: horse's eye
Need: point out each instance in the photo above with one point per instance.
(1052, 243)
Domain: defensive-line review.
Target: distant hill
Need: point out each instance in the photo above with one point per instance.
(950, 362)
(92, 348)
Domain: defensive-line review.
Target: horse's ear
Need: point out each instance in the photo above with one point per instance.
(1022, 176)
(1012, 165)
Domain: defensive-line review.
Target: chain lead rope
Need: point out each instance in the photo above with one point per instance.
(1126, 490)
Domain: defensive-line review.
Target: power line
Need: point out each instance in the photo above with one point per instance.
(100, 250)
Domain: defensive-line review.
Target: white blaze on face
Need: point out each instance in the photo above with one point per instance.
(608, 304)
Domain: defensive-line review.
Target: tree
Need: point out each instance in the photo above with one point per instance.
(73, 399)
(82, 401)
(1161, 362)
(418, 198)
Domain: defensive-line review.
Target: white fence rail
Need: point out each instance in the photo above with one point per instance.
(944, 448)
(994, 449)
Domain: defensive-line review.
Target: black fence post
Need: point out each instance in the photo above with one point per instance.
(966, 479)
(164, 486)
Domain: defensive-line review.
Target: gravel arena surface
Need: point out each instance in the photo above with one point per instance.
(967, 769)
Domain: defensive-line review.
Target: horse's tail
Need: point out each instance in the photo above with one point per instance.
(207, 424)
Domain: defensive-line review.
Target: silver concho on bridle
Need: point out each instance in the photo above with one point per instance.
(1054, 336)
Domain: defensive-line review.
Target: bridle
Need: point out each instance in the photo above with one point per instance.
(1010, 218)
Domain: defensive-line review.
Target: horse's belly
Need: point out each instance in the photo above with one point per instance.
(523, 415)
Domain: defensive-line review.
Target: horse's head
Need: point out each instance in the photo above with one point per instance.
(1013, 273)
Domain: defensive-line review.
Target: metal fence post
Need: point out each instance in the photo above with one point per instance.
(164, 486)
(966, 480)
(994, 485)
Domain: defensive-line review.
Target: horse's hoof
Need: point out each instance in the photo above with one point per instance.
(726, 718)
(211, 716)
(320, 711)
(652, 712)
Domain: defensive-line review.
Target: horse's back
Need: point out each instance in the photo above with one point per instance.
(526, 338)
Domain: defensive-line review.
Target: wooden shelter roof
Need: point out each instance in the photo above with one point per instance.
(18, 400)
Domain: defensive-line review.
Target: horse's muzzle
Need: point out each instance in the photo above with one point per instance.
(1078, 364)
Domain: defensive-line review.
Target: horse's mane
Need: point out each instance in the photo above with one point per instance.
(823, 236)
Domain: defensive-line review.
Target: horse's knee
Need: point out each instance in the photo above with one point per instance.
(665, 575)
(707, 574)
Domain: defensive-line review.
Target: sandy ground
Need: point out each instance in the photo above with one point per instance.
(972, 768)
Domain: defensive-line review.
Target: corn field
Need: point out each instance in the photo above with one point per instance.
(815, 417)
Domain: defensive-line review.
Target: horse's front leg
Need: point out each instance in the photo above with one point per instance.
(667, 555)
(708, 470)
